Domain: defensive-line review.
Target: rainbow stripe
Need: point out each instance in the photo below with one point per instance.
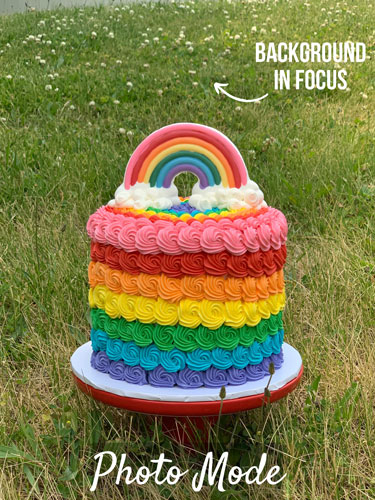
(186, 147)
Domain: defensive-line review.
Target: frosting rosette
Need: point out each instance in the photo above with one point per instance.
(186, 378)
(175, 359)
(187, 292)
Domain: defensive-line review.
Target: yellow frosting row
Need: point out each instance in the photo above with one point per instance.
(187, 312)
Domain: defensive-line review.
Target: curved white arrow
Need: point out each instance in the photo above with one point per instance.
(219, 88)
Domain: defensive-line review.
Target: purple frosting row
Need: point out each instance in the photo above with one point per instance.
(186, 378)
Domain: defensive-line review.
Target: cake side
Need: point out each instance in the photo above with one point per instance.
(219, 325)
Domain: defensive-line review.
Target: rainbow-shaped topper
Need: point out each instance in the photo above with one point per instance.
(186, 147)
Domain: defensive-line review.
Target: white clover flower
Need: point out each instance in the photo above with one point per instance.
(253, 29)
(190, 49)
(56, 89)
(93, 34)
(72, 107)
(192, 72)
(238, 108)
(88, 64)
(252, 154)
(129, 85)
(42, 61)
(119, 61)
(48, 87)
(160, 92)
(195, 84)
(146, 65)
(237, 37)
(103, 65)
(156, 39)
(53, 51)
(62, 44)
(129, 134)
(111, 34)
(92, 103)
(121, 131)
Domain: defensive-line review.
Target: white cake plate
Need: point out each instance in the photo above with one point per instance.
(83, 371)
(186, 412)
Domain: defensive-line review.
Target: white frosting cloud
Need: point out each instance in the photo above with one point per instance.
(142, 195)
(247, 196)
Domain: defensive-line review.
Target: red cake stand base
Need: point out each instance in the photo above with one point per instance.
(186, 414)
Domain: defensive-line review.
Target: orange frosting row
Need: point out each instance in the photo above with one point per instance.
(218, 288)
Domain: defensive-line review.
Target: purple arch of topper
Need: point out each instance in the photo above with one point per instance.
(203, 180)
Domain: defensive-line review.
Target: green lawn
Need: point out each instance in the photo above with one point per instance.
(79, 89)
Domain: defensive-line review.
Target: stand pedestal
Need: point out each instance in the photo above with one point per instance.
(186, 412)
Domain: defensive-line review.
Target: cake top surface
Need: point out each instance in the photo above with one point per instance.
(223, 181)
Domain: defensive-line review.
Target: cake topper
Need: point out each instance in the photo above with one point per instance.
(186, 147)
(223, 180)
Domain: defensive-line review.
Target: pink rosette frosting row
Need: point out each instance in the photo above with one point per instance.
(268, 230)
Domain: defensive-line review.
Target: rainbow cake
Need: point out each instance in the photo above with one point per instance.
(187, 292)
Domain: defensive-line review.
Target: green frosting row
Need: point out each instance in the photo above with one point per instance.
(186, 339)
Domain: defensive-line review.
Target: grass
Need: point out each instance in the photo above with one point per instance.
(312, 153)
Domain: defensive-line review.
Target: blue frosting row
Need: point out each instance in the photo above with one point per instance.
(175, 360)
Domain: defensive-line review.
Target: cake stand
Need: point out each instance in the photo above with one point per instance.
(185, 413)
